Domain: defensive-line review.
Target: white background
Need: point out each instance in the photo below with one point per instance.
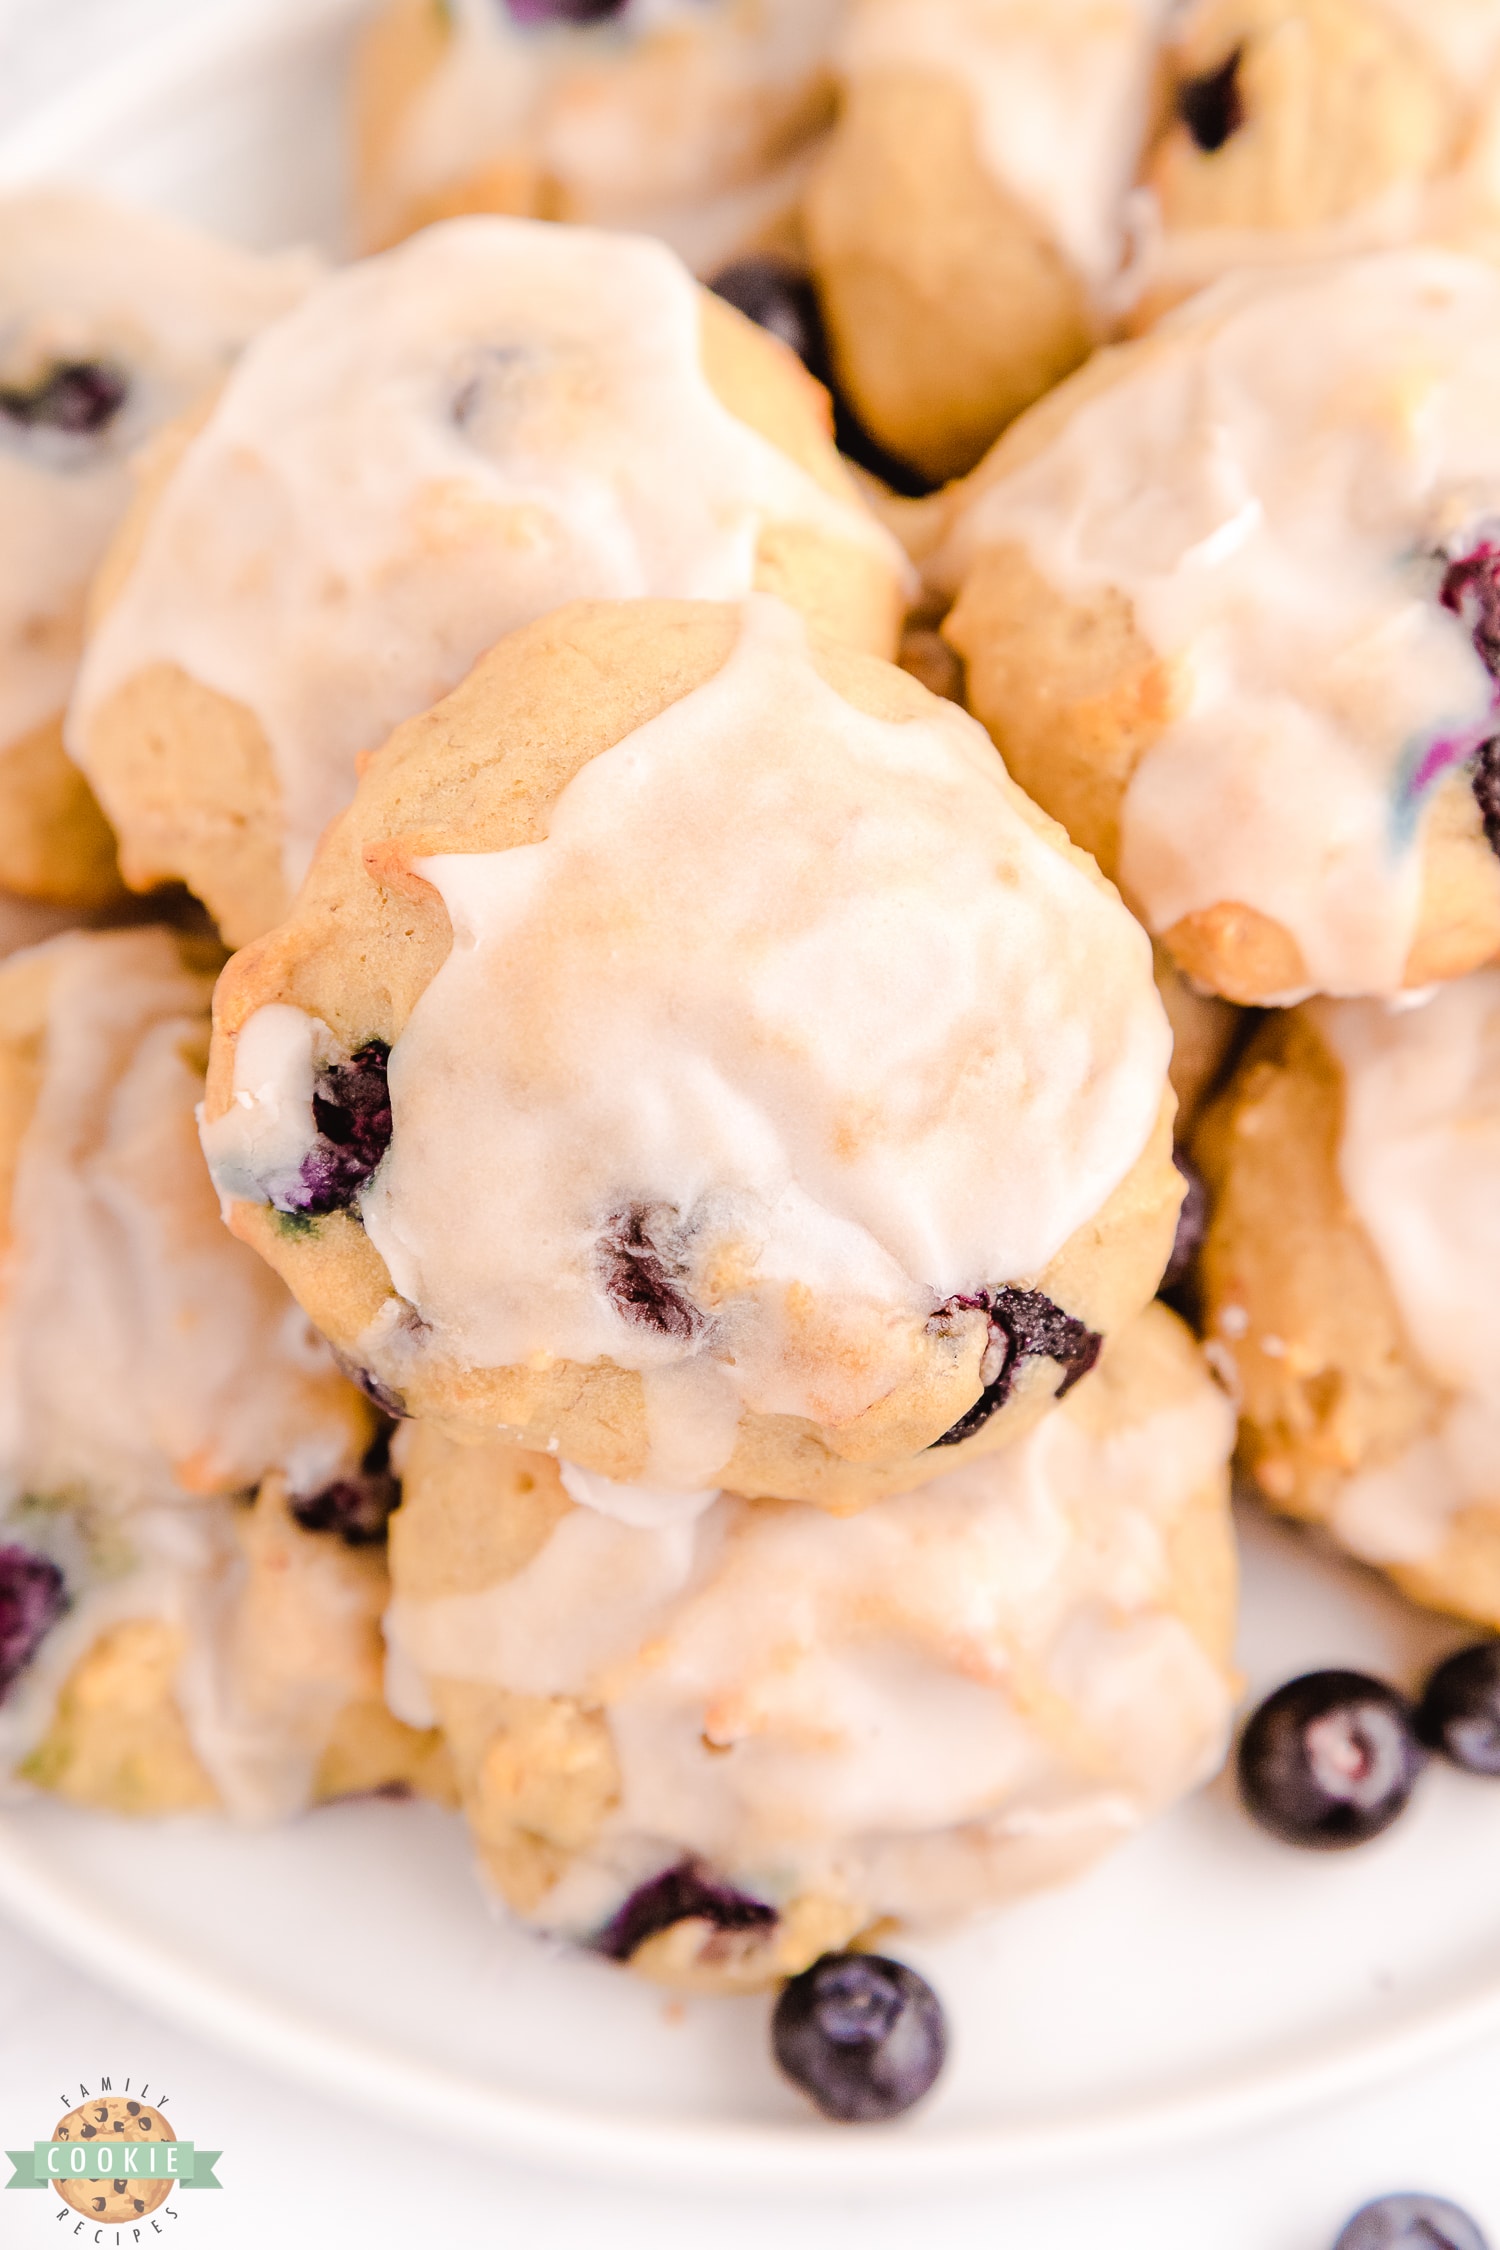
(300, 2170)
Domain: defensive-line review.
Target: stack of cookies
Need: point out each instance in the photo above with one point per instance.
(655, 1339)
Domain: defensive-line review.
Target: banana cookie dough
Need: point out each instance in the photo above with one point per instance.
(1300, 128)
(720, 1747)
(1232, 614)
(112, 323)
(160, 1644)
(693, 1052)
(1351, 1279)
(965, 223)
(687, 119)
(441, 444)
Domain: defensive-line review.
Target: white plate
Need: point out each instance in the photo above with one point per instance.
(1204, 1978)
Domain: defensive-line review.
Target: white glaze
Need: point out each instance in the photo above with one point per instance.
(685, 119)
(1060, 91)
(1272, 517)
(917, 1705)
(145, 1356)
(337, 548)
(806, 978)
(1419, 1158)
(83, 279)
(646, 1507)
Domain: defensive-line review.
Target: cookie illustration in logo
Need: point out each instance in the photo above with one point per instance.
(114, 2202)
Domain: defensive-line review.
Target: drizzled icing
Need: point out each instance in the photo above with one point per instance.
(442, 444)
(680, 118)
(905, 1705)
(1419, 1158)
(1060, 90)
(1278, 520)
(84, 282)
(145, 1356)
(791, 1029)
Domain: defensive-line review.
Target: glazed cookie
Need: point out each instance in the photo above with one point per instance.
(1348, 1279)
(720, 1747)
(965, 222)
(440, 445)
(219, 1658)
(691, 1051)
(1312, 127)
(112, 322)
(1232, 615)
(687, 119)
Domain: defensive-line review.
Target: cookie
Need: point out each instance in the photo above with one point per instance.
(1347, 1275)
(440, 445)
(114, 2203)
(690, 1050)
(1307, 128)
(223, 1659)
(964, 223)
(686, 119)
(719, 1747)
(112, 322)
(1226, 613)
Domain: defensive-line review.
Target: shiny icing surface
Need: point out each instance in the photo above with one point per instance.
(1419, 1157)
(924, 1707)
(1279, 521)
(792, 999)
(85, 282)
(1061, 92)
(686, 119)
(441, 444)
(145, 1356)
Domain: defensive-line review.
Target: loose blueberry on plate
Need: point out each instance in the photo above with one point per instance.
(1459, 1713)
(863, 2037)
(1329, 1760)
(1411, 2222)
(33, 1596)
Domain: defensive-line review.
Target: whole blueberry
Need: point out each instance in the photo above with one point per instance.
(33, 1596)
(862, 2036)
(358, 1507)
(1459, 1713)
(1329, 1760)
(1411, 2222)
(79, 397)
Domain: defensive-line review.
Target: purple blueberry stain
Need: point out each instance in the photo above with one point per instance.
(357, 1508)
(861, 2035)
(643, 1273)
(1329, 1760)
(686, 1892)
(1470, 589)
(33, 1596)
(1411, 2222)
(352, 1113)
(1211, 106)
(78, 397)
(1024, 1324)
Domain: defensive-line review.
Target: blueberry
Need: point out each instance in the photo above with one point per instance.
(352, 1111)
(33, 1596)
(1211, 106)
(1459, 1712)
(688, 1892)
(1329, 1760)
(80, 397)
(643, 1273)
(1192, 1225)
(1484, 780)
(1024, 1324)
(778, 296)
(1471, 589)
(358, 1507)
(565, 11)
(862, 2036)
(1411, 2222)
